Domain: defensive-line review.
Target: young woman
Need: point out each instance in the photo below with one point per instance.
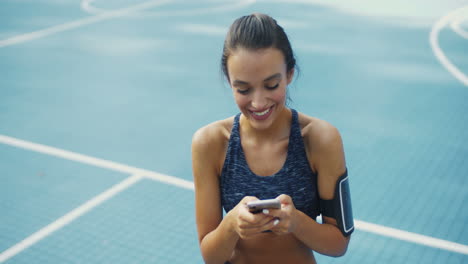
(268, 151)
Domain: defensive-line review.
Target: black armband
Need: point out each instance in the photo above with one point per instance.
(339, 207)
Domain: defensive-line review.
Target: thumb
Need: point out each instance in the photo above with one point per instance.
(284, 199)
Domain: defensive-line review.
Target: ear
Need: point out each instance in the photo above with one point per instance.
(289, 76)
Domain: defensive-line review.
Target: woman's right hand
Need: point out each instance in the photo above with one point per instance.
(247, 224)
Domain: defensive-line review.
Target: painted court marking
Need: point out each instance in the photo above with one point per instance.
(87, 6)
(138, 174)
(69, 217)
(101, 163)
(80, 22)
(454, 17)
(456, 26)
(100, 15)
(411, 237)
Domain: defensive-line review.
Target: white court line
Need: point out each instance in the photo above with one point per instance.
(68, 218)
(411, 237)
(433, 39)
(456, 26)
(360, 225)
(80, 22)
(100, 16)
(106, 164)
(86, 5)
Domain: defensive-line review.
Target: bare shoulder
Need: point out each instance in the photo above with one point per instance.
(213, 132)
(318, 133)
(209, 143)
(325, 152)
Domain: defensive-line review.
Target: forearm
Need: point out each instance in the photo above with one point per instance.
(324, 238)
(218, 245)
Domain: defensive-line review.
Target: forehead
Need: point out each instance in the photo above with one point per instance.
(252, 65)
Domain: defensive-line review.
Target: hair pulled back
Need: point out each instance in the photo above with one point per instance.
(253, 32)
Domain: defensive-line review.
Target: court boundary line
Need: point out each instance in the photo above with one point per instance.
(438, 52)
(456, 26)
(97, 162)
(69, 217)
(80, 22)
(360, 225)
(86, 5)
(105, 15)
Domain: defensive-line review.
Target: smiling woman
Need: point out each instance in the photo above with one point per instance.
(259, 91)
(268, 151)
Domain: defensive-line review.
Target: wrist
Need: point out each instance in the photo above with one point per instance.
(296, 227)
(230, 222)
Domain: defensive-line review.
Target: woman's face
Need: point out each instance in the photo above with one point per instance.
(259, 79)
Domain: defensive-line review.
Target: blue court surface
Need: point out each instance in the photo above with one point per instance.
(99, 101)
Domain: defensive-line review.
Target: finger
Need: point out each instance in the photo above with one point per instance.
(253, 221)
(279, 231)
(270, 226)
(260, 225)
(255, 218)
(280, 228)
(276, 221)
(246, 233)
(248, 217)
(275, 213)
(247, 199)
(267, 226)
(284, 199)
(265, 220)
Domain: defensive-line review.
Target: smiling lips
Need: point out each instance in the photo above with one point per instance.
(261, 115)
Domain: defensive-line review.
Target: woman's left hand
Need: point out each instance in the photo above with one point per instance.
(286, 216)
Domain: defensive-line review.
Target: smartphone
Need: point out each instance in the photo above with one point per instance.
(256, 207)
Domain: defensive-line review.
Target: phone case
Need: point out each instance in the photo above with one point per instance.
(258, 206)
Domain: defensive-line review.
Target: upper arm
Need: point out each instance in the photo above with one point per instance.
(327, 158)
(206, 152)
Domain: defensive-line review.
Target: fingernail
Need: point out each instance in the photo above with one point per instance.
(276, 222)
(266, 211)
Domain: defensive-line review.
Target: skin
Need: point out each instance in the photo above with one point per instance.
(259, 80)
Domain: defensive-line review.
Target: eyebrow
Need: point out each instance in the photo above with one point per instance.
(274, 76)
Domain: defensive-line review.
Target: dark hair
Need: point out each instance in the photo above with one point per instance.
(253, 32)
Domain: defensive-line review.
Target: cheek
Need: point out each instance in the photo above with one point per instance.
(240, 99)
(279, 95)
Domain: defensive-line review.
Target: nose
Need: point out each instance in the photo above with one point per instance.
(259, 100)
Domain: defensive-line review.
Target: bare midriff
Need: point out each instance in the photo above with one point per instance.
(271, 248)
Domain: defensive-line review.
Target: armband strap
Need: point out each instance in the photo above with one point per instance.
(339, 207)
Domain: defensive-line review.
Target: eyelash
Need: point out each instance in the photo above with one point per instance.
(272, 87)
(244, 92)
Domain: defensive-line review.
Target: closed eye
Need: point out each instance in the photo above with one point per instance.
(272, 87)
(246, 91)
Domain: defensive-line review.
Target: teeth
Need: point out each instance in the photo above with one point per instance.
(262, 113)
